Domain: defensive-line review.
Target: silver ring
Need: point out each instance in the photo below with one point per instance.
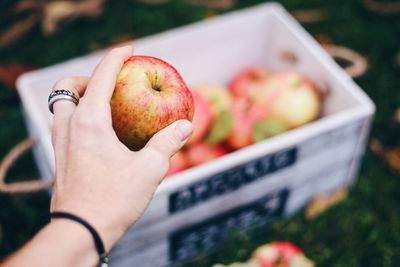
(62, 94)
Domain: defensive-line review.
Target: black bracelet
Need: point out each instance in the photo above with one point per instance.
(103, 257)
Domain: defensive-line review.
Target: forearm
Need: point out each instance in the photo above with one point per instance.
(61, 243)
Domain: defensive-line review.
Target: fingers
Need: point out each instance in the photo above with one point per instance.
(166, 142)
(63, 111)
(102, 83)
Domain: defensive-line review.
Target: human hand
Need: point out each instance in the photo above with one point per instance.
(97, 177)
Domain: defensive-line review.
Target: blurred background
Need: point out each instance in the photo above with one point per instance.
(362, 230)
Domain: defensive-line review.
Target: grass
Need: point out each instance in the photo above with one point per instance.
(364, 230)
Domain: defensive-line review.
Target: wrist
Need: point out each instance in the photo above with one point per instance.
(74, 239)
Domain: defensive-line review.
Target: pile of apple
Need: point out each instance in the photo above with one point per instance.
(276, 254)
(255, 105)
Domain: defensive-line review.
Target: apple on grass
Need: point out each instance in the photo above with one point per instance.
(289, 97)
(149, 95)
(201, 152)
(281, 254)
(202, 119)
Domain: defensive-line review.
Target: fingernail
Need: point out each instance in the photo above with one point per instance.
(184, 129)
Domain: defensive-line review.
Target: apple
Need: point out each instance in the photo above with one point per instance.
(202, 119)
(245, 116)
(289, 97)
(177, 163)
(149, 95)
(220, 100)
(246, 82)
(281, 254)
(267, 128)
(218, 97)
(200, 153)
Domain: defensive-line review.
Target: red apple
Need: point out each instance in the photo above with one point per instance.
(218, 97)
(201, 152)
(177, 163)
(281, 254)
(245, 116)
(246, 82)
(202, 119)
(290, 98)
(149, 95)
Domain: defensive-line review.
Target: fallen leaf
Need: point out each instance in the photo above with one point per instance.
(382, 8)
(214, 4)
(390, 155)
(310, 15)
(17, 30)
(10, 72)
(154, 2)
(396, 117)
(321, 203)
(58, 12)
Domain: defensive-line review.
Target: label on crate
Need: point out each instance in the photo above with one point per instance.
(230, 180)
(189, 242)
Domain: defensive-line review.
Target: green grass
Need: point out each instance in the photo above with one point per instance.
(363, 231)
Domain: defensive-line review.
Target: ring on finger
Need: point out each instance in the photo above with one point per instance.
(62, 94)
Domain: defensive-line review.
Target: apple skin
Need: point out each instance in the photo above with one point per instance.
(217, 96)
(245, 116)
(289, 97)
(247, 81)
(149, 95)
(177, 163)
(202, 119)
(200, 153)
(281, 254)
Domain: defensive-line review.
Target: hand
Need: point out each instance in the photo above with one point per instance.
(97, 177)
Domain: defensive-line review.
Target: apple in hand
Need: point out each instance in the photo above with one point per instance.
(246, 83)
(200, 153)
(245, 116)
(290, 98)
(202, 119)
(281, 254)
(149, 95)
(177, 163)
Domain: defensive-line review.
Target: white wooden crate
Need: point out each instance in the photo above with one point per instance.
(316, 158)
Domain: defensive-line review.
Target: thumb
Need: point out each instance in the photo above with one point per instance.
(170, 139)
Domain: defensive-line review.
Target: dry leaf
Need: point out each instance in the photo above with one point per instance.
(10, 72)
(310, 15)
(154, 2)
(359, 64)
(214, 4)
(17, 30)
(391, 156)
(321, 203)
(382, 8)
(323, 39)
(60, 11)
(396, 117)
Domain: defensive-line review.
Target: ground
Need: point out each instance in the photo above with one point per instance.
(364, 230)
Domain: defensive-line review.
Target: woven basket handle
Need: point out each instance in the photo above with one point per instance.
(20, 187)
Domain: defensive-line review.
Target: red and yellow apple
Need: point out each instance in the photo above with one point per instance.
(245, 115)
(218, 97)
(246, 82)
(289, 97)
(177, 163)
(202, 119)
(281, 254)
(200, 153)
(149, 95)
